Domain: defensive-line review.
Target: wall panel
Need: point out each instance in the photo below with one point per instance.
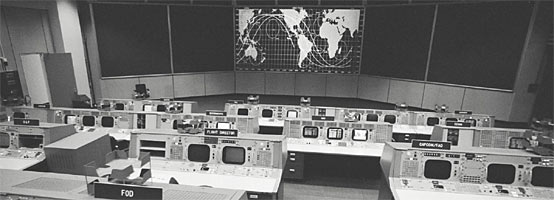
(373, 88)
(280, 83)
(342, 86)
(488, 102)
(310, 84)
(250, 82)
(439, 94)
(160, 86)
(220, 83)
(189, 85)
(407, 92)
(118, 88)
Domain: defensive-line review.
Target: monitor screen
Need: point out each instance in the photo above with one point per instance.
(160, 108)
(452, 135)
(119, 106)
(18, 115)
(198, 153)
(451, 119)
(242, 111)
(223, 125)
(473, 122)
(390, 119)
(267, 113)
(360, 134)
(372, 117)
(4, 140)
(107, 121)
(431, 121)
(542, 176)
(30, 141)
(334, 133)
(147, 108)
(310, 132)
(437, 169)
(70, 119)
(292, 114)
(501, 173)
(89, 121)
(234, 155)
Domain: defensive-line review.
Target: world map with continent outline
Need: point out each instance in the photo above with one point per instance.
(299, 39)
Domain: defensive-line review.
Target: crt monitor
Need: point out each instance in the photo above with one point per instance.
(223, 125)
(4, 140)
(234, 155)
(372, 117)
(198, 153)
(89, 120)
(390, 119)
(266, 113)
(18, 115)
(334, 133)
(472, 122)
(30, 141)
(542, 176)
(360, 134)
(501, 173)
(160, 108)
(107, 121)
(119, 106)
(242, 111)
(431, 121)
(437, 169)
(310, 132)
(70, 119)
(292, 114)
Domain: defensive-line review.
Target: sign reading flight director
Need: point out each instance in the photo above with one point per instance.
(429, 144)
(120, 191)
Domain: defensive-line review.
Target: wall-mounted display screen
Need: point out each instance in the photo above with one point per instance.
(542, 176)
(4, 140)
(334, 133)
(89, 121)
(299, 39)
(30, 141)
(234, 155)
(198, 153)
(107, 121)
(437, 169)
(310, 132)
(501, 173)
(360, 134)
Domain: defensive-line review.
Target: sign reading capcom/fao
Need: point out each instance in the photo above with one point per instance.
(428, 144)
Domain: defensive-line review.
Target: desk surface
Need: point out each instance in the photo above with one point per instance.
(64, 186)
(18, 163)
(373, 150)
(255, 184)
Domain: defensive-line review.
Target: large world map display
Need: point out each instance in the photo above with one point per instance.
(298, 39)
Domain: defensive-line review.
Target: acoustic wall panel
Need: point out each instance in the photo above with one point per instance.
(373, 88)
(342, 86)
(160, 86)
(407, 92)
(310, 84)
(488, 102)
(250, 82)
(280, 83)
(118, 88)
(220, 83)
(189, 85)
(440, 94)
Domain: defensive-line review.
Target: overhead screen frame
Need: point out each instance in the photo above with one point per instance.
(362, 58)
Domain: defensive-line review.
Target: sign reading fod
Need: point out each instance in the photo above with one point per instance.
(428, 144)
(121, 191)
